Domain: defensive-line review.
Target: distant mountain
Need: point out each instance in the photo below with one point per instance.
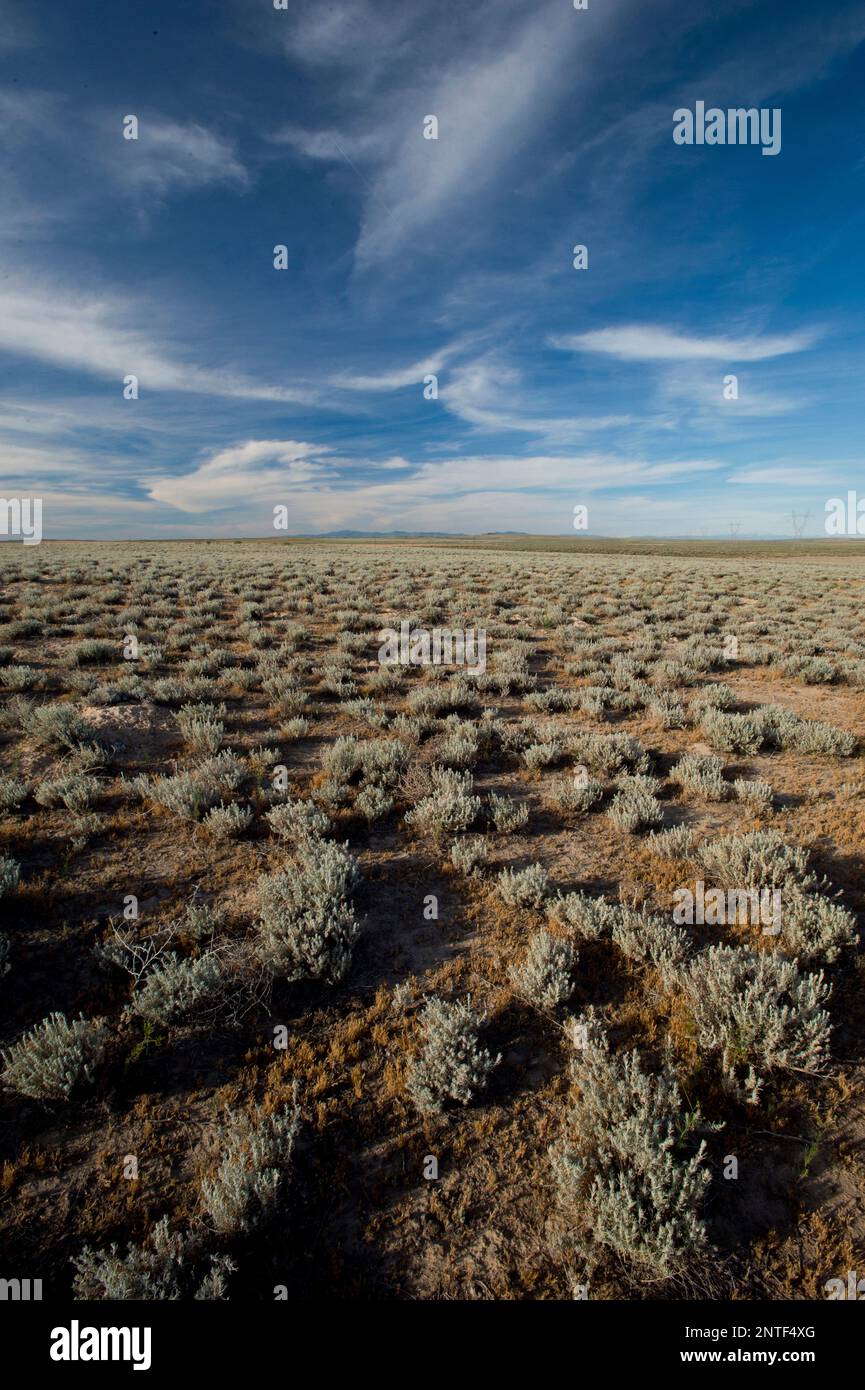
(405, 535)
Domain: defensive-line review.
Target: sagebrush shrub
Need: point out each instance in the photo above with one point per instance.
(523, 887)
(544, 976)
(774, 727)
(156, 1270)
(94, 652)
(539, 755)
(227, 822)
(203, 735)
(298, 820)
(255, 1162)
(758, 859)
(373, 802)
(54, 1057)
(609, 754)
(10, 872)
(624, 1173)
(651, 939)
(573, 797)
(382, 760)
(18, 678)
(308, 928)
(341, 759)
(76, 792)
(716, 696)
(449, 807)
(470, 854)
(451, 1065)
(506, 813)
(176, 988)
(591, 917)
(189, 794)
(12, 792)
(753, 792)
(634, 807)
(815, 928)
(758, 1013)
(675, 843)
(58, 726)
(703, 775)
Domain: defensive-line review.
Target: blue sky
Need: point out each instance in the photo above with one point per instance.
(304, 387)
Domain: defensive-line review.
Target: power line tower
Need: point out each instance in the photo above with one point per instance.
(800, 521)
(735, 528)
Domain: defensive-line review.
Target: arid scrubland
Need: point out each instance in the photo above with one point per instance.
(333, 976)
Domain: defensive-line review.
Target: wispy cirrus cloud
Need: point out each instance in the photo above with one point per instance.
(488, 74)
(260, 470)
(98, 334)
(396, 378)
(490, 395)
(648, 343)
(169, 157)
(781, 475)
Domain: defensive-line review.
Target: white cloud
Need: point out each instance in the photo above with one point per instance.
(488, 74)
(98, 334)
(781, 475)
(259, 471)
(331, 145)
(351, 34)
(398, 377)
(699, 391)
(646, 343)
(169, 157)
(487, 104)
(484, 394)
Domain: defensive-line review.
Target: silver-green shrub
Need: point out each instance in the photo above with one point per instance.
(544, 976)
(256, 1158)
(227, 822)
(10, 872)
(54, 1057)
(175, 989)
(451, 1065)
(12, 792)
(470, 854)
(59, 726)
(76, 791)
(758, 1013)
(624, 1174)
(523, 887)
(506, 813)
(450, 806)
(758, 859)
(703, 775)
(158, 1270)
(573, 797)
(588, 916)
(814, 927)
(634, 807)
(307, 928)
(297, 820)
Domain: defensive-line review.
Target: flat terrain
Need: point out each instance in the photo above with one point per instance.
(200, 676)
